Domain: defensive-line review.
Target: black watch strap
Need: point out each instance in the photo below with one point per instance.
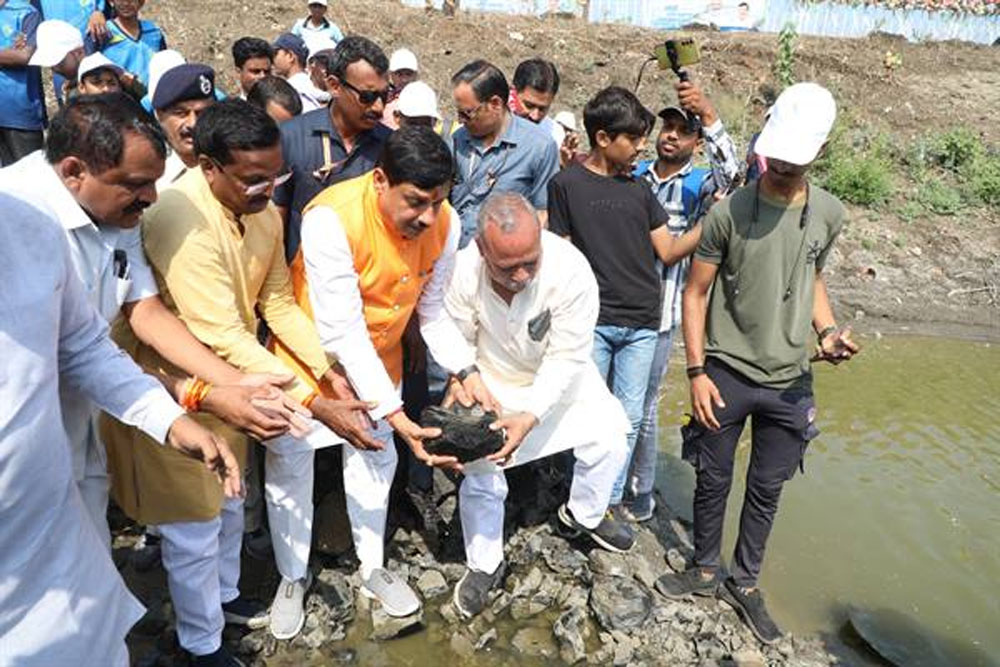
(466, 372)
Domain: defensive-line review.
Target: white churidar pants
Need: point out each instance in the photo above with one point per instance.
(482, 495)
(202, 560)
(589, 420)
(367, 481)
(288, 493)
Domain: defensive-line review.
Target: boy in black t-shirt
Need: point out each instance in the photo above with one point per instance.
(618, 224)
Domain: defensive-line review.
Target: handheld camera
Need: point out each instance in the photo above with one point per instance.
(675, 54)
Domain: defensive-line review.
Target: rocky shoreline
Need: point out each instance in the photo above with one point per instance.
(563, 600)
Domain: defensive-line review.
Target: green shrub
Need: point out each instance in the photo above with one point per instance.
(864, 179)
(909, 211)
(784, 60)
(938, 197)
(981, 180)
(956, 148)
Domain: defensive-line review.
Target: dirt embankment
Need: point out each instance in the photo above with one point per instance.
(930, 272)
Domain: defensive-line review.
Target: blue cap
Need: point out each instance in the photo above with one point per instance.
(190, 81)
(294, 44)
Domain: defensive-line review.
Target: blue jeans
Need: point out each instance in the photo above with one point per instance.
(642, 473)
(623, 356)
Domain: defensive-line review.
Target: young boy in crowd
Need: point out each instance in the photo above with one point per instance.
(618, 224)
(98, 75)
(132, 41)
(253, 58)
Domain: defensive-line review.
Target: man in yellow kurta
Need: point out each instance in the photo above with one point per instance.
(374, 250)
(215, 244)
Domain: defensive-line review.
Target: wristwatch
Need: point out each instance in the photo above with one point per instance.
(466, 372)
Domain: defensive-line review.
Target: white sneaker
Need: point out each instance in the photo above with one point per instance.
(287, 611)
(397, 598)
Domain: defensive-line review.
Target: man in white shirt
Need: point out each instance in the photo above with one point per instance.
(290, 57)
(525, 301)
(62, 602)
(98, 193)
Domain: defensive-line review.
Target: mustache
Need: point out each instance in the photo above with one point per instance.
(138, 206)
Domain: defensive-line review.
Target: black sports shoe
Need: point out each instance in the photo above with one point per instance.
(473, 590)
(221, 658)
(691, 581)
(249, 613)
(612, 533)
(749, 604)
(257, 544)
(146, 552)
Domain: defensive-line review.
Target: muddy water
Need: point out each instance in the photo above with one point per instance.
(897, 517)
(898, 514)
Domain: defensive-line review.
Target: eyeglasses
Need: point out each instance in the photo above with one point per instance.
(367, 97)
(258, 188)
(465, 115)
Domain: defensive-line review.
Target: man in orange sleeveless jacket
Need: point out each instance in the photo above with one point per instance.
(376, 249)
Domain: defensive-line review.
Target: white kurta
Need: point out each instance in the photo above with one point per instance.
(62, 601)
(112, 266)
(550, 374)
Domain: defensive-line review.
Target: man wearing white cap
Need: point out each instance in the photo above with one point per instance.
(22, 107)
(403, 70)
(417, 105)
(763, 250)
(60, 47)
(98, 75)
(317, 24)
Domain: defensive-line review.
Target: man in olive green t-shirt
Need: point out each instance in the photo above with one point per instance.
(754, 291)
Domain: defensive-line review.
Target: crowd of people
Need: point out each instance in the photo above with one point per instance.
(203, 289)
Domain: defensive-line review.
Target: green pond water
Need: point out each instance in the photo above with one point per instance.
(897, 516)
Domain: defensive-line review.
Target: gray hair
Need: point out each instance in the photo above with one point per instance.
(502, 209)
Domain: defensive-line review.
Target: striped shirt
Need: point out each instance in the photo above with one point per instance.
(670, 193)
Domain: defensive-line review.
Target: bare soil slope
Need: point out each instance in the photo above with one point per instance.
(931, 272)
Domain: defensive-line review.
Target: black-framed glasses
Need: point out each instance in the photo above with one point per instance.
(367, 97)
(465, 115)
(258, 188)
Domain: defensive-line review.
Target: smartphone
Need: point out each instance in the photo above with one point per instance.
(676, 53)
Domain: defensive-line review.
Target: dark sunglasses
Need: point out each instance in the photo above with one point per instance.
(367, 97)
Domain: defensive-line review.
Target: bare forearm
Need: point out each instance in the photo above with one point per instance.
(15, 57)
(672, 249)
(822, 315)
(156, 326)
(174, 385)
(694, 307)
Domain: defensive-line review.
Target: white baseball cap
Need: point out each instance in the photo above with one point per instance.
(418, 99)
(316, 42)
(96, 61)
(317, 2)
(54, 40)
(403, 59)
(161, 63)
(798, 124)
(567, 120)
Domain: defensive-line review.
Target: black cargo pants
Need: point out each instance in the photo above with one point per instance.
(782, 426)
